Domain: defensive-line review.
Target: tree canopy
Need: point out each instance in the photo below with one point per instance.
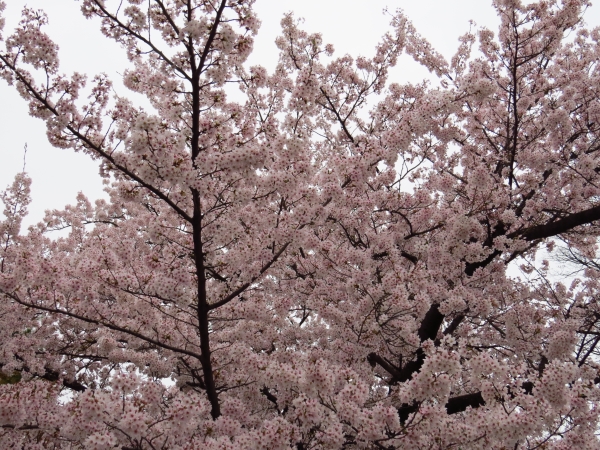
(320, 265)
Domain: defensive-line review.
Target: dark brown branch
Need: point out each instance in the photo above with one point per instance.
(333, 109)
(89, 144)
(454, 324)
(203, 307)
(374, 358)
(49, 375)
(559, 226)
(167, 16)
(202, 310)
(428, 330)
(413, 259)
(21, 428)
(462, 402)
(211, 37)
(433, 319)
(142, 39)
(108, 325)
(453, 406)
(52, 375)
(245, 286)
(431, 323)
(406, 410)
(470, 268)
(216, 275)
(265, 391)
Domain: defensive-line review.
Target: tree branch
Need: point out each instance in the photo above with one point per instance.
(211, 37)
(559, 226)
(103, 324)
(142, 39)
(245, 286)
(89, 144)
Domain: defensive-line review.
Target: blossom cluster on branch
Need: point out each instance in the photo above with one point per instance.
(322, 265)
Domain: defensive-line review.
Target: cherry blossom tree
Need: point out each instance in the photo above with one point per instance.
(322, 265)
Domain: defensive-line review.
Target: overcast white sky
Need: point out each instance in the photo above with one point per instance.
(352, 26)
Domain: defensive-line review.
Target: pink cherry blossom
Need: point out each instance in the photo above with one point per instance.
(323, 265)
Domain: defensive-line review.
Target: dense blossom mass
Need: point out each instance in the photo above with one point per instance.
(321, 265)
